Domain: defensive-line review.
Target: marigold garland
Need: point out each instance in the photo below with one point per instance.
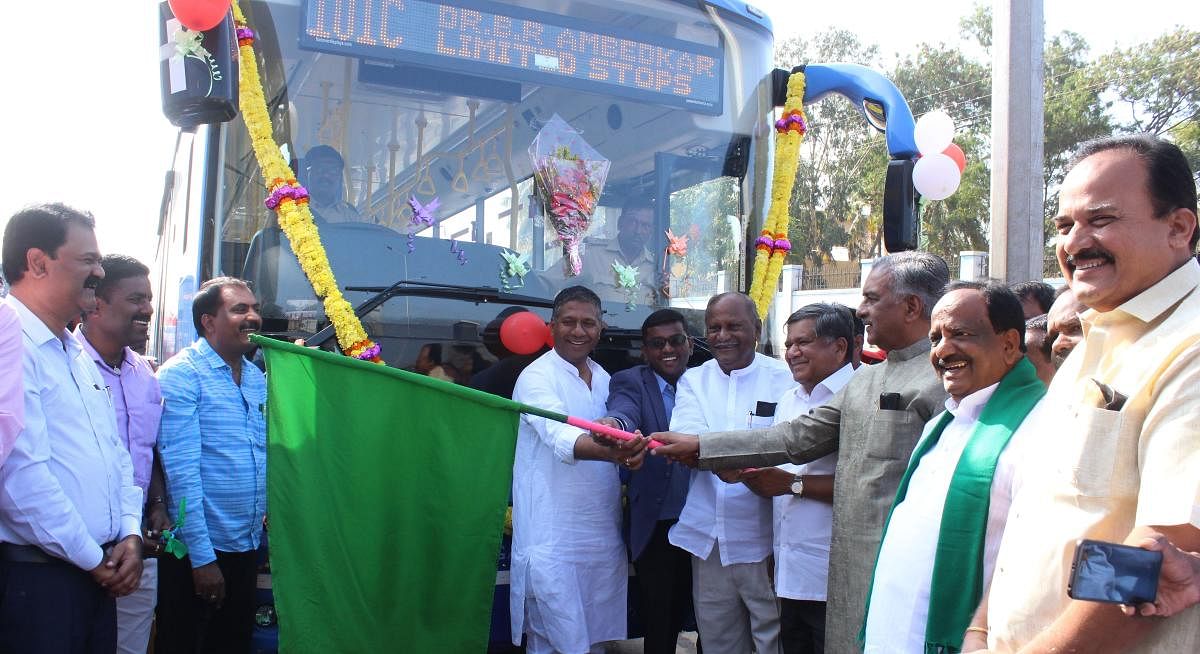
(772, 247)
(289, 200)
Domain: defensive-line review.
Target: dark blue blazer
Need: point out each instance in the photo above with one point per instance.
(633, 396)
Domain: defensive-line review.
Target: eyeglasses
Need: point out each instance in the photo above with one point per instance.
(659, 342)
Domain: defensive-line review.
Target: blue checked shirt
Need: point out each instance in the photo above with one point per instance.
(213, 444)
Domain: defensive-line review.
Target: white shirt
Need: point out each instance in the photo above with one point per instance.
(804, 526)
(707, 400)
(67, 487)
(567, 552)
(903, 575)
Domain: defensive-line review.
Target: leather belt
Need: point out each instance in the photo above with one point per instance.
(14, 553)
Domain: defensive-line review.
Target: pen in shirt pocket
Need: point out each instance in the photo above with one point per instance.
(107, 391)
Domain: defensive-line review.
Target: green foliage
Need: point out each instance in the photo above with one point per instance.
(837, 151)
(837, 201)
(1074, 112)
(1158, 83)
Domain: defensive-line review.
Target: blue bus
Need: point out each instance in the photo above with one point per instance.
(384, 106)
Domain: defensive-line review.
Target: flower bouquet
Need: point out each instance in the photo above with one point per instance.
(570, 176)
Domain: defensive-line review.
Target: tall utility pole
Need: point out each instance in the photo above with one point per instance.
(1017, 140)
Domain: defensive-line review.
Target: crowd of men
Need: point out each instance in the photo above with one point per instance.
(928, 503)
(102, 454)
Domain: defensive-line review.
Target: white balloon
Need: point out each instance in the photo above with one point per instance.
(934, 132)
(936, 176)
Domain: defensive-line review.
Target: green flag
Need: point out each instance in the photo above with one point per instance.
(387, 493)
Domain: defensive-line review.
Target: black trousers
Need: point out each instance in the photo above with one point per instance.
(54, 608)
(664, 587)
(186, 624)
(802, 626)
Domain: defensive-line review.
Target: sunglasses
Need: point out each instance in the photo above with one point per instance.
(659, 343)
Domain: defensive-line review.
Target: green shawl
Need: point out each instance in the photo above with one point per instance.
(957, 584)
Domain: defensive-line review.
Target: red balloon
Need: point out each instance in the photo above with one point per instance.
(956, 153)
(523, 333)
(200, 15)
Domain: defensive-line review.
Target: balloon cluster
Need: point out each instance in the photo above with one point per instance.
(524, 333)
(939, 169)
(199, 15)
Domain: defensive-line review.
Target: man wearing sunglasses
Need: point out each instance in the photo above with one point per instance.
(642, 398)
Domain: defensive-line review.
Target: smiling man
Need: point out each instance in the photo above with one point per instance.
(873, 423)
(1124, 451)
(820, 350)
(642, 398)
(941, 537)
(569, 569)
(70, 512)
(1063, 328)
(725, 526)
(110, 335)
(213, 446)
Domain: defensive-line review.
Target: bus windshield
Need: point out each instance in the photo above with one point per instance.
(411, 123)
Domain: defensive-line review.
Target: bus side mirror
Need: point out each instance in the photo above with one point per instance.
(900, 207)
(198, 71)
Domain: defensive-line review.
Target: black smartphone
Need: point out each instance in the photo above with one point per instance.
(890, 401)
(1118, 574)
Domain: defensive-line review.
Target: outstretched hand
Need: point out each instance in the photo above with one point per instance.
(684, 448)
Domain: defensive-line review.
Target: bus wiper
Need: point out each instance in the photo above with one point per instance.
(405, 287)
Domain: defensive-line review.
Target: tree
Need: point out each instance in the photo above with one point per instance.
(1158, 83)
(945, 78)
(1074, 113)
(837, 149)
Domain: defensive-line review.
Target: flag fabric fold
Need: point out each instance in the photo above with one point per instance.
(387, 493)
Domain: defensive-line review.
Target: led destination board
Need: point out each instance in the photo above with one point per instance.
(491, 39)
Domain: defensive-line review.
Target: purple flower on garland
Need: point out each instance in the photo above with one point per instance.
(783, 244)
(369, 353)
(294, 192)
(764, 240)
(245, 33)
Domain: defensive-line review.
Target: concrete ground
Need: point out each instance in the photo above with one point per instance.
(686, 645)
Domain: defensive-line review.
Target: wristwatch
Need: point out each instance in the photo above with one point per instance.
(798, 485)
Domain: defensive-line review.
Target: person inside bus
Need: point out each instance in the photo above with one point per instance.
(322, 172)
(630, 247)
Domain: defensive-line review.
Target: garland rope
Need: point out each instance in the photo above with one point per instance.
(772, 246)
(289, 200)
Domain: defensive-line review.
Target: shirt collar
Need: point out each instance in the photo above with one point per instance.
(740, 371)
(922, 346)
(567, 365)
(971, 405)
(614, 246)
(662, 383)
(210, 354)
(832, 384)
(87, 347)
(35, 329)
(1151, 303)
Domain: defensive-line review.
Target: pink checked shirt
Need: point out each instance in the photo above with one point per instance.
(138, 403)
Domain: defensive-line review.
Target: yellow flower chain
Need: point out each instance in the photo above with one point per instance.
(772, 246)
(291, 203)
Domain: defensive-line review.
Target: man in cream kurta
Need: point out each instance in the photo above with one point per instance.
(569, 569)
(1124, 451)
(726, 527)
(873, 442)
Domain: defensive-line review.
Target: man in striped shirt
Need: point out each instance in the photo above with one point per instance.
(213, 449)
